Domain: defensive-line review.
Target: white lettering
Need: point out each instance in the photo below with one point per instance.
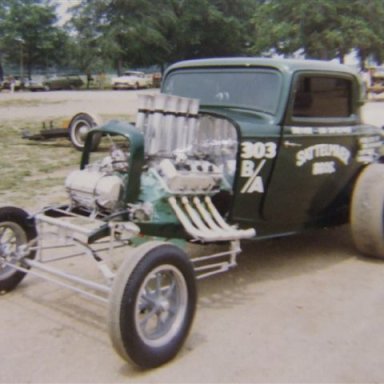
(321, 130)
(326, 167)
(302, 130)
(323, 150)
(258, 150)
(247, 168)
(270, 150)
(256, 186)
(370, 140)
(247, 150)
(254, 182)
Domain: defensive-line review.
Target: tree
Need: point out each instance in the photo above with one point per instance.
(143, 32)
(29, 34)
(322, 29)
(211, 28)
(366, 29)
(112, 33)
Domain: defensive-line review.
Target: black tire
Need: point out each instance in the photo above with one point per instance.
(78, 129)
(367, 211)
(152, 305)
(15, 230)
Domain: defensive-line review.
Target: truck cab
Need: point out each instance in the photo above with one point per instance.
(301, 141)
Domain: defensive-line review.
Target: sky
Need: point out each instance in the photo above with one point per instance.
(62, 8)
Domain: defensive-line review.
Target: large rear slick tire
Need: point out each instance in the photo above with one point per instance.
(16, 230)
(367, 211)
(152, 304)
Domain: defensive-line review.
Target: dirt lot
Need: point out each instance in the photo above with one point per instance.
(301, 309)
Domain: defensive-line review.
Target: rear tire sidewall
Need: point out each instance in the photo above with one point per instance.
(124, 297)
(367, 208)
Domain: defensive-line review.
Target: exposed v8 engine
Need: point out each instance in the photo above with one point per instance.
(186, 153)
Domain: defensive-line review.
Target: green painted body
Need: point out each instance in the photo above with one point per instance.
(136, 159)
(139, 185)
(292, 172)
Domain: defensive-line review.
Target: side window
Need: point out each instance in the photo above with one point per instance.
(318, 96)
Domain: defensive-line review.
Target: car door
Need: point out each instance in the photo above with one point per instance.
(316, 159)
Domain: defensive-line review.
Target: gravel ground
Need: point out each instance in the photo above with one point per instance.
(47, 105)
(299, 309)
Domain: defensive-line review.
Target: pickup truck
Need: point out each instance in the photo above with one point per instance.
(231, 150)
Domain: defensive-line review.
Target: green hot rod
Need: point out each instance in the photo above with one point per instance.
(230, 150)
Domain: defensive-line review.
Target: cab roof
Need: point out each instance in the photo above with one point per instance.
(283, 65)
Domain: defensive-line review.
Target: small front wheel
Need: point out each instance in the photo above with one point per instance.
(15, 232)
(152, 305)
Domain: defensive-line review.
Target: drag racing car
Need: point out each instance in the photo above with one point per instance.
(231, 150)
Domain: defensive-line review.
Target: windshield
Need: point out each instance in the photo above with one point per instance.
(257, 89)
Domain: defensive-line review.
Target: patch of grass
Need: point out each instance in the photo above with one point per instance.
(32, 173)
(19, 103)
(28, 169)
(25, 102)
(125, 117)
(11, 130)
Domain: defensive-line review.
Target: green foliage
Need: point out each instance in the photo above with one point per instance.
(28, 34)
(322, 29)
(143, 32)
(105, 34)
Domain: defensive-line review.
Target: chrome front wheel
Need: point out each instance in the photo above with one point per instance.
(161, 306)
(152, 305)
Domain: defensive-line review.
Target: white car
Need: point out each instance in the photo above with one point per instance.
(132, 80)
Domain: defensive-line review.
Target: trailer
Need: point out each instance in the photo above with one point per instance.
(74, 129)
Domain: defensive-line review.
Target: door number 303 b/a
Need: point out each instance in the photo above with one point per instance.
(258, 150)
(251, 169)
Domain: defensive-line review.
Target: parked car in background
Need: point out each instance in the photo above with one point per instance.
(374, 80)
(156, 79)
(132, 80)
(7, 82)
(56, 82)
(34, 86)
